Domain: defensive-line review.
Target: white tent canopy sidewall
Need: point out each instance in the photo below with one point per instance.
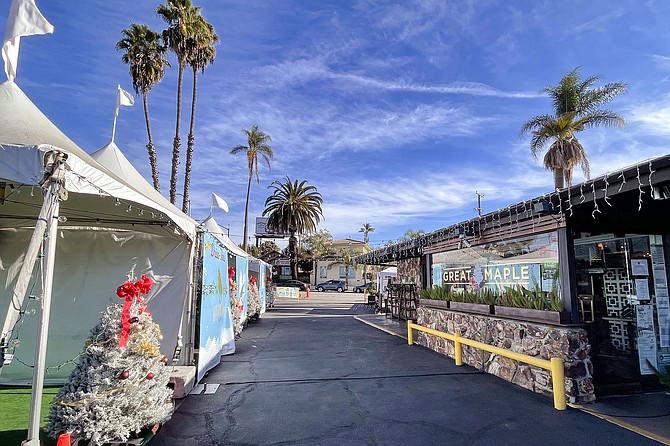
(385, 276)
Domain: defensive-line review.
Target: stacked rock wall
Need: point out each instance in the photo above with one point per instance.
(543, 341)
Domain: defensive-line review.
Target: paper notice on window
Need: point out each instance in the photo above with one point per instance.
(646, 338)
(642, 289)
(639, 267)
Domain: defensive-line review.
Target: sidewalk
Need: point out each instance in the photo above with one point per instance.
(647, 414)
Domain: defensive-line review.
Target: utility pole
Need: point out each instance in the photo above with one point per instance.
(479, 203)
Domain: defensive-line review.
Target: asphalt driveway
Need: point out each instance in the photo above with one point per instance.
(308, 373)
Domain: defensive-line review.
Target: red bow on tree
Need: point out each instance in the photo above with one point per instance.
(131, 291)
(231, 272)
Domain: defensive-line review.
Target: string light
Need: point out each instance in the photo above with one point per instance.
(595, 203)
(623, 181)
(607, 184)
(639, 187)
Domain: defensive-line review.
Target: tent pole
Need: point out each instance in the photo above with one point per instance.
(54, 174)
(52, 201)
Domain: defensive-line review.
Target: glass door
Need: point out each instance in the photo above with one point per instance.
(605, 294)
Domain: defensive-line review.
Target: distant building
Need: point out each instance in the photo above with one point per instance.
(333, 267)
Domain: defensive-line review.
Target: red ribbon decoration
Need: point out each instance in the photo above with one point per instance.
(129, 291)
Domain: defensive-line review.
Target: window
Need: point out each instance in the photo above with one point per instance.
(323, 272)
(347, 272)
(531, 262)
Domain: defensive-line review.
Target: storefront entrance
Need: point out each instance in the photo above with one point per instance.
(620, 283)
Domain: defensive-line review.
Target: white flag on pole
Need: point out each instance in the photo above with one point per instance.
(123, 98)
(219, 202)
(24, 20)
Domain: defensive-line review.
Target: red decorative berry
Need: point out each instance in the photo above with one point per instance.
(150, 375)
(124, 374)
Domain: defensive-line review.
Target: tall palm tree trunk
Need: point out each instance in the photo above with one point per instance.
(177, 141)
(150, 146)
(189, 148)
(246, 212)
(293, 253)
(559, 178)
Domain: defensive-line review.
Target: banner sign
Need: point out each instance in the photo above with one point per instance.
(216, 328)
(262, 285)
(493, 276)
(287, 292)
(242, 270)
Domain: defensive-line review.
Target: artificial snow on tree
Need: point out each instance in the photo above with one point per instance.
(254, 303)
(236, 304)
(119, 386)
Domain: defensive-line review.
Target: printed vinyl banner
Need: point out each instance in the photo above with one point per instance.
(262, 287)
(216, 327)
(242, 272)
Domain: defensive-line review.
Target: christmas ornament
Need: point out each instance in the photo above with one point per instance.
(129, 292)
(165, 359)
(150, 375)
(124, 375)
(134, 320)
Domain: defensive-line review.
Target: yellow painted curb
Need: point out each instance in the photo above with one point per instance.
(379, 327)
(623, 424)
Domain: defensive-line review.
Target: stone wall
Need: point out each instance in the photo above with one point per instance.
(543, 341)
(409, 271)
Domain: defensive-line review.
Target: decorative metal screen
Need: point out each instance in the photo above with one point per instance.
(617, 291)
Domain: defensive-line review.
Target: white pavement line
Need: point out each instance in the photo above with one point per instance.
(211, 388)
(379, 327)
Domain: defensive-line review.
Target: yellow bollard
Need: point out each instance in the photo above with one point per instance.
(458, 350)
(410, 337)
(558, 383)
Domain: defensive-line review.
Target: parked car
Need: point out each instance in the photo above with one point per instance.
(332, 285)
(302, 286)
(361, 288)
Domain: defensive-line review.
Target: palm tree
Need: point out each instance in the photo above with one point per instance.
(202, 55)
(181, 17)
(294, 208)
(145, 56)
(577, 106)
(366, 229)
(411, 234)
(348, 260)
(257, 142)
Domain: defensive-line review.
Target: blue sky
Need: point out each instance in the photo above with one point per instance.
(397, 111)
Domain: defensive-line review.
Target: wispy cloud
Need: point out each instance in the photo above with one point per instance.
(653, 118)
(292, 73)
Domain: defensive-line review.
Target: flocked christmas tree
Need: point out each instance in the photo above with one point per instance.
(119, 387)
(255, 304)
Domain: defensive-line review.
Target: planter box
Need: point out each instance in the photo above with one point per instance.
(530, 314)
(433, 303)
(468, 307)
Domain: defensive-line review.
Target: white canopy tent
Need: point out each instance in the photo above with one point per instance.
(113, 223)
(385, 276)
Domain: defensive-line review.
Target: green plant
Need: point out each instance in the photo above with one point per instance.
(489, 297)
(663, 376)
(435, 293)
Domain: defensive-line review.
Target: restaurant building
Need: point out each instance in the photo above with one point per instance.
(601, 245)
